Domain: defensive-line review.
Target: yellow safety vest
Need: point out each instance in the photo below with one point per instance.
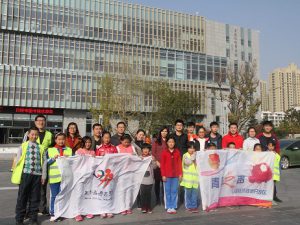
(190, 176)
(53, 170)
(47, 139)
(18, 170)
(276, 173)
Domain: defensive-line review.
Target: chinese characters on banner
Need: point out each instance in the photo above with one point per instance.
(230, 177)
(96, 185)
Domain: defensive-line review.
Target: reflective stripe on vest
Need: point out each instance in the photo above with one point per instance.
(190, 176)
(47, 140)
(18, 170)
(54, 172)
(276, 175)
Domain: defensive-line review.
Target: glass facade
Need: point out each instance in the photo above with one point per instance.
(52, 52)
(13, 126)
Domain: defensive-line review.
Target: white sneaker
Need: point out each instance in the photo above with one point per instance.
(173, 211)
(52, 219)
(169, 211)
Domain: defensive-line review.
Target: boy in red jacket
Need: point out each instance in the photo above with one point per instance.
(171, 172)
(233, 136)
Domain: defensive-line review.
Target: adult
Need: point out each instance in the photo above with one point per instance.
(201, 140)
(115, 139)
(249, 143)
(191, 126)
(180, 137)
(233, 136)
(97, 133)
(158, 146)
(181, 140)
(268, 136)
(213, 136)
(139, 140)
(45, 139)
(73, 139)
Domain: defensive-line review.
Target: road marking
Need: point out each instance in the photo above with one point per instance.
(8, 188)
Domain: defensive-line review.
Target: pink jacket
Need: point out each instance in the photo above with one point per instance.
(130, 149)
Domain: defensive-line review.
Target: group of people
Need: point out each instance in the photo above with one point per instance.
(172, 171)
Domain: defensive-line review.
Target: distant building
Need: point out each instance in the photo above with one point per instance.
(264, 96)
(275, 117)
(284, 88)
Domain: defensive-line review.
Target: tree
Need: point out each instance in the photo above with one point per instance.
(150, 101)
(172, 104)
(291, 122)
(117, 98)
(242, 103)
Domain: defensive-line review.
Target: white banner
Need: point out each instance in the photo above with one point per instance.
(96, 185)
(235, 177)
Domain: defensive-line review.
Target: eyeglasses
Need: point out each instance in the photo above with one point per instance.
(40, 121)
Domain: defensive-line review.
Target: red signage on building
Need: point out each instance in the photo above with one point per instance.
(30, 110)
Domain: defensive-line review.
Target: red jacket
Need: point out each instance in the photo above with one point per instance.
(157, 149)
(237, 139)
(106, 149)
(170, 163)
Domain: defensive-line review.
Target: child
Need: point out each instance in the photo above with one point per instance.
(201, 140)
(257, 148)
(126, 146)
(171, 172)
(276, 176)
(191, 131)
(231, 145)
(27, 174)
(148, 180)
(106, 147)
(190, 180)
(53, 171)
(211, 146)
(86, 147)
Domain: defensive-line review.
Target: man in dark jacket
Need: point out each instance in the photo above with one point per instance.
(96, 138)
(115, 139)
(181, 139)
(214, 136)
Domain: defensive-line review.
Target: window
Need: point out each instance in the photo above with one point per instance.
(227, 53)
(295, 145)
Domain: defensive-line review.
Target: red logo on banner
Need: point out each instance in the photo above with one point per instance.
(105, 177)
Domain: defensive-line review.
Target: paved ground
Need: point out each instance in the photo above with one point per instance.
(287, 212)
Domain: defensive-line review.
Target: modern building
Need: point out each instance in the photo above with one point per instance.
(275, 117)
(264, 95)
(53, 52)
(284, 86)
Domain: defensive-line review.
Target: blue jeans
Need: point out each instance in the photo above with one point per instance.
(191, 198)
(171, 192)
(55, 189)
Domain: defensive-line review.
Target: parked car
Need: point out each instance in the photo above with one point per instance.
(290, 153)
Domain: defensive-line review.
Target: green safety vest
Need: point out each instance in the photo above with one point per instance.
(276, 172)
(190, 177)
(53, 170)
(18, 170)
(47, 141)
